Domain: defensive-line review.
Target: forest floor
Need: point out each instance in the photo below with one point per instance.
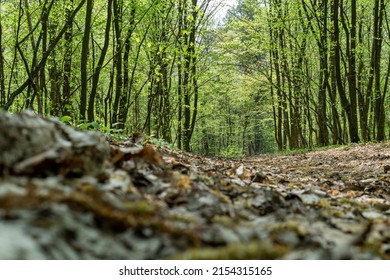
(73, 195)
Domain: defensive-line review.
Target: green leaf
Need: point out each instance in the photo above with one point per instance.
(66, 119)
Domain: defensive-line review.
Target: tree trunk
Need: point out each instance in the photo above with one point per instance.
(323, 79)
(348, 105)
(84, 60)
(96, 74)
(379, 110)
(2, 74)
(125, 96)
(181, 25)
(352, 76)
(188, 83)
(117, 63)
(66, 73)
(274, 56)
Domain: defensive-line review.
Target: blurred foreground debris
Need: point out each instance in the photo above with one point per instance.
(69, 194)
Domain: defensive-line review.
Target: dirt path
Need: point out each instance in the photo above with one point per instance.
(333, 203)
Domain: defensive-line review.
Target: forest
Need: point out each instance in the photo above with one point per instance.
(195, 129)
(247, 78)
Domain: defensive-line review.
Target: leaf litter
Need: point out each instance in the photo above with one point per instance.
(69, 194)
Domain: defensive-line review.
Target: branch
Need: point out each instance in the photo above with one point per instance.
(42, 63)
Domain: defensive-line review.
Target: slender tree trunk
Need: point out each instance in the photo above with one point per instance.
(348, 105)
(190, 70)
(181, 25)
(323, 48)
(279, 97)
(196, 93)
(96, 74)
(54, 72)
(42, 73)
(352, 76)
(2, 74)
(67, 70)
(285, 80)
(363, 94)
(124, 102)
(379, 110)
(188, 58)
(33, 86)
(117, 63)
(84, 60)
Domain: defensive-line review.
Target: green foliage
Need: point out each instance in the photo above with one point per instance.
(258, 72)
(114, 133)
(67, 120)
(232, 151)
(90, 125)
(159, 142)
(158, 34)
(235, 116)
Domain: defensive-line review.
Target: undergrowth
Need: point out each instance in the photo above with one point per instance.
(115, 133)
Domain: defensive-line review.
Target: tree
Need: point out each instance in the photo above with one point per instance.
(67, 70)
(84, 60)
(274, 74)
(99, 66)
(2, 73)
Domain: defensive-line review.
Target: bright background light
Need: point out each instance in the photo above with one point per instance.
(225, 5)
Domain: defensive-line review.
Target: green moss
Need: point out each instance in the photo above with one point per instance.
(350, 202)
(224, 220)
(141, 208)
(337, 213)
(292, 225)
(324, 203)
(237, 251)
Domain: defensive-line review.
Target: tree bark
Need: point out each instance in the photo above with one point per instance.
(2, 74)
(84, 60)
(66, 75)
(117, 63)
(99, 66)
(323, 139)
(379, 110)
(125, 96)
(348, 105)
